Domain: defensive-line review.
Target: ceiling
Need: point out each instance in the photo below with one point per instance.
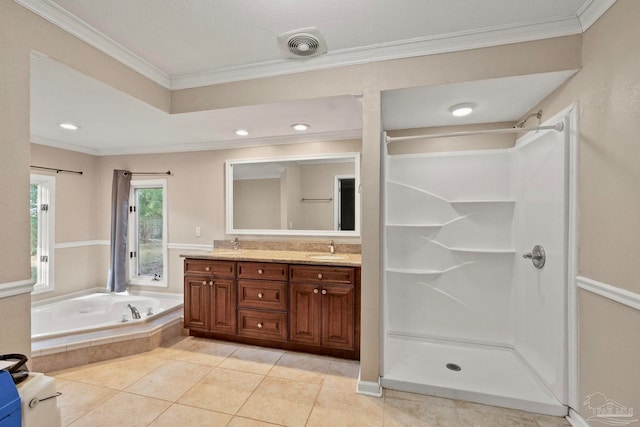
(188, 43)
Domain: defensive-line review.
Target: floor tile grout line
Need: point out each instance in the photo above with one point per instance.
(256, 387)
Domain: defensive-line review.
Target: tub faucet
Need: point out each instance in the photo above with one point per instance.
(235, 244)
(134, 311)
(332, 247)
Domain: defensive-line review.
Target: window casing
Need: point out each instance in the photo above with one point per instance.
(147, 233)
(42, 221)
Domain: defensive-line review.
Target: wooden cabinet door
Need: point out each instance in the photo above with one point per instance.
(304, 313)
(338, 306)
(222, 308)
(196, 302)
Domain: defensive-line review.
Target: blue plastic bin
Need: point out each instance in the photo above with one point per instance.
(10, 415)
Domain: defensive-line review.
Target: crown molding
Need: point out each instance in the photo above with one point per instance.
(85, 32)
(452, 42)
(589, 13)
(35, 139)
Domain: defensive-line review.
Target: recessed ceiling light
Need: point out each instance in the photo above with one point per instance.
(461, 110)
(242, 132)
(300, 126)
(68, 126)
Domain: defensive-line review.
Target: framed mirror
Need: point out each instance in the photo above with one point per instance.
(303, 195)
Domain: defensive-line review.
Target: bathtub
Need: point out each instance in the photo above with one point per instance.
(98, 311)
(87, 327)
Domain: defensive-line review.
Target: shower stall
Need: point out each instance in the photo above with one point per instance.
(469, 311)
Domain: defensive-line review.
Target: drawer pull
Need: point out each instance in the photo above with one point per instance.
(211, 283)
(204, 282)
(315, 291)
(324, 292)
(259, 271)
(260, 325)
(319, 275)
(259, 294)
(207, 269)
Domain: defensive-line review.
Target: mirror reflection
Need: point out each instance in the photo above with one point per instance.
(302, 195)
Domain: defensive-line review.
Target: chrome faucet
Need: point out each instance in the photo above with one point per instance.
(235, 244)
(134, 311)
(332, 247)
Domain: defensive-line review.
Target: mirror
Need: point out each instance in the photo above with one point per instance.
(303, 195)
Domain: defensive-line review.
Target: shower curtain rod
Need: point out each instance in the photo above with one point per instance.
(557, 127)
(56, 169)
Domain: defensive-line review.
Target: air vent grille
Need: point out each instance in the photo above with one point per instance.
(302, 43)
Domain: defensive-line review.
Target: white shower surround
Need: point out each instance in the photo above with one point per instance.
(456, 288)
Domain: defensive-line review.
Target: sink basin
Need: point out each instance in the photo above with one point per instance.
(327, 257)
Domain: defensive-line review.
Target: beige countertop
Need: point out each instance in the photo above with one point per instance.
(291, 257)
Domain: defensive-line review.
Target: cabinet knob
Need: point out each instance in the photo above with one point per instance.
(319, 275)
(211, 283)
(259, 294)
(204, 282)
(324, 292)
(260, 325)
(207, 269)
(315, 291)
(259, 271)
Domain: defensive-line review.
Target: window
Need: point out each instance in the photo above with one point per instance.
(41, 215)
(148, 233)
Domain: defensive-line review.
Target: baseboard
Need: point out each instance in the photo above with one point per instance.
(369, 388)
(576, 420)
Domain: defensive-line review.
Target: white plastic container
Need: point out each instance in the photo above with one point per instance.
(39, 401)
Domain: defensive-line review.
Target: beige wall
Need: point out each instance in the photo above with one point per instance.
(291, 195)
(607, 90)
(251, 193)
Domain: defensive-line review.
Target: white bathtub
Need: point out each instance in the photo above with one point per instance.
(96, 311)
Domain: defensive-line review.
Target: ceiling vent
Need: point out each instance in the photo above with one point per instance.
(302, 43)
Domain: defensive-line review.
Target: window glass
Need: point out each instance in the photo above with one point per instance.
(41, 237)
(147, 243)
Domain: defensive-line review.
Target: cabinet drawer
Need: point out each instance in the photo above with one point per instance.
(262, 324)
(209, 268)
(310, 273)
(262, 270)
(262, 294)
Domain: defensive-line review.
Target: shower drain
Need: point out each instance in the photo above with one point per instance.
(453, 367)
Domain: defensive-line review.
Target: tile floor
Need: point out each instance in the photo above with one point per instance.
(198, 382)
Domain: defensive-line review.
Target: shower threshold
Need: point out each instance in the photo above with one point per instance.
(476, 373)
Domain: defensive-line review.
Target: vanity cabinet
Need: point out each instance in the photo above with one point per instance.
(322, 306)
(262, 300)
(311, 308)
(210, 296)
